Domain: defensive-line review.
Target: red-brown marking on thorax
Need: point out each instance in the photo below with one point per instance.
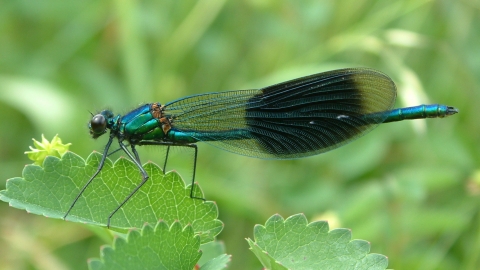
(157, 112)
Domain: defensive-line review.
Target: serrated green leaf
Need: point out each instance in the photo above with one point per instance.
(50, 190)
(159, 248)
(296, 244)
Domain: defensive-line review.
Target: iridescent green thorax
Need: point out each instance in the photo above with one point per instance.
(145, 123)
(139, 124)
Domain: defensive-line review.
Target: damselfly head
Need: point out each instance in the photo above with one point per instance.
(99, 123)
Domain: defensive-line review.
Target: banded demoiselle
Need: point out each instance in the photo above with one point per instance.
(297, 118)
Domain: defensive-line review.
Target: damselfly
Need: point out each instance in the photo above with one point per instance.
(298, 118)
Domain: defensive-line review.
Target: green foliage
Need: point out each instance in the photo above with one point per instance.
(411, 188)
(212, 252)
(294, 244)
(159, 248)
(217, 263)
(50, 190)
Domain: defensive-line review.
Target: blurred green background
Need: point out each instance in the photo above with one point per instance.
(410, 188)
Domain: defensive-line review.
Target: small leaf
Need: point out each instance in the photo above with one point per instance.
(45, 148)
(213, 256)
(217, 263)
(295, 244)
(51, 190)
(211, 250)
(159, 248)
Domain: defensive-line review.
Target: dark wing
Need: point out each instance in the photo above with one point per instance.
(297, 118)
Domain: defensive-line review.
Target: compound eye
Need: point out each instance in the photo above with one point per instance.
(98, 124)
